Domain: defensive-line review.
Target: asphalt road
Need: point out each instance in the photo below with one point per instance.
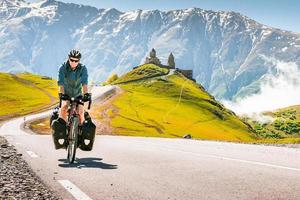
(122, 167)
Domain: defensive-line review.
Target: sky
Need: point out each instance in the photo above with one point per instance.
(283, 14)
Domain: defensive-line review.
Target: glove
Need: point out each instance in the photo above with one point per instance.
(63, 96)
(87, 97)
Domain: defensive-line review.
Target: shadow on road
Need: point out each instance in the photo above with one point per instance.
(87, 163)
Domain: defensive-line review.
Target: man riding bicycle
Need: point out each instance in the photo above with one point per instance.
(72, 82)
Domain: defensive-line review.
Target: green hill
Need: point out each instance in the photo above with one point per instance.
(171, 106)
(25, 93)
(285, 126)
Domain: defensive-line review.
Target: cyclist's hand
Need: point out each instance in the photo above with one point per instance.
(87, 97)
(63, 96)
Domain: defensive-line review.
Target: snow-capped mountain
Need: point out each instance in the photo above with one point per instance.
(229, 53)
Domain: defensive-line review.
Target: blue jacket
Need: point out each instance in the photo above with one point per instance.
(72, 80)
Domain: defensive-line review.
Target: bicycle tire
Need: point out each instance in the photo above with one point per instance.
(73, 139)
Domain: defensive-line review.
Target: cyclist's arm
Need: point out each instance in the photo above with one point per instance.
(84, 88)
(60, 81)
(84, 80)
(61, 89)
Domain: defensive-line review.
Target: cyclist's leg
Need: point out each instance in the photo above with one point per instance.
(80, 111)
(64, 110)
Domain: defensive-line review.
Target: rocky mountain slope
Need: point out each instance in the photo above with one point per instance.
(230, 54)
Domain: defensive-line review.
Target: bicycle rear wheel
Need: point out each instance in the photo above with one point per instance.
(73, 139)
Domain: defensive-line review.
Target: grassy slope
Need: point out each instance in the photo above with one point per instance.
(143, 71)
(50, 86)
(284, 129)
(153, 107)
(19, 98)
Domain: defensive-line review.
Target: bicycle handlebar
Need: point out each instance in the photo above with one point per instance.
(59, 102)
(76, 99)
(90, 102)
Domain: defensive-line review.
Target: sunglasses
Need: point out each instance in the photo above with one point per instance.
(74, 60)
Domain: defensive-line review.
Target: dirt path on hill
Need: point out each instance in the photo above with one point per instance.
(103, 112)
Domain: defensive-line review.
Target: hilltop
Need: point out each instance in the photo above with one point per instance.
(161, 102)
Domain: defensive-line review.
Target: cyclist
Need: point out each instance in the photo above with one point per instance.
(72, 82)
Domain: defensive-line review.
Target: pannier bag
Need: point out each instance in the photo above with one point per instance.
(88, 133)
(59, 130)
(54, 115)
(59, 134)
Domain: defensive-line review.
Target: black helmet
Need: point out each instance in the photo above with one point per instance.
(75, 54)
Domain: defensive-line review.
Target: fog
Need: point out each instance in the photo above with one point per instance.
(276, 91)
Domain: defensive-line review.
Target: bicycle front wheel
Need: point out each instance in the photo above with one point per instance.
(73, 139)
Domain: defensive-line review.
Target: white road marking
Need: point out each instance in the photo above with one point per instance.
(237, 160)
(75, 191)
(167, 148)
(255, 163)
(32, 154)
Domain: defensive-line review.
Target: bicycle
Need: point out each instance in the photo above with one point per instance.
(72, 124)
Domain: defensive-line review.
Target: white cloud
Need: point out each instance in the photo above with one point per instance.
(276, 91)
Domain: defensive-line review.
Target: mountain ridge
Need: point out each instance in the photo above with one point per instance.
(228, 52)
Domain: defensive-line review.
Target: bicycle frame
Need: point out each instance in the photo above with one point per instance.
(72, 126)
(72, 129)
(72, 111)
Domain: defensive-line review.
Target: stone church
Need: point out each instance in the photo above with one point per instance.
(152, 59)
